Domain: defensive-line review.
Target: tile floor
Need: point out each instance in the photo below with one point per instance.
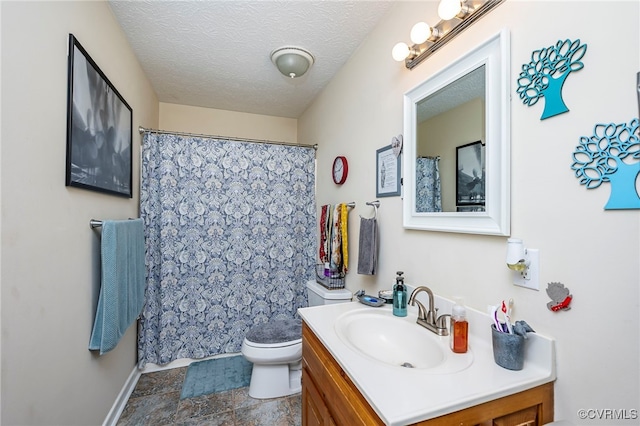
(156, 401)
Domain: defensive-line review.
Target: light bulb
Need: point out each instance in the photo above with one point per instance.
(400, 51)
(448, 9)
(420, 32)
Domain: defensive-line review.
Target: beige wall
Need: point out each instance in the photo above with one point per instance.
(595, 253)
(50, 257)
(207, 121)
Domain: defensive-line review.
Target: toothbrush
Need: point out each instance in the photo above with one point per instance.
(507, 317)
(494, 316)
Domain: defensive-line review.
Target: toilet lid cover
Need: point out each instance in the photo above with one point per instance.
(276, 331)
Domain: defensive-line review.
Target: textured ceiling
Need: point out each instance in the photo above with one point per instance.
(458, 92)
(216, 54)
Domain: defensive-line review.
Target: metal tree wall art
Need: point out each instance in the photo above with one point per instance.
(611, 154)
(545, 75)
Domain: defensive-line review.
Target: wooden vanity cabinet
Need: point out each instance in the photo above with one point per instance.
(329, 397)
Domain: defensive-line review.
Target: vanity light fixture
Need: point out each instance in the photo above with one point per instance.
(525, 262)
(456, 16)
(292, 61)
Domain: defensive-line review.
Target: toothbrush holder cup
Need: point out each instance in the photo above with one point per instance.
(508, 349)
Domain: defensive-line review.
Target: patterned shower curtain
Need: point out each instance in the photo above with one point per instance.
(428, 192)
(230, 241)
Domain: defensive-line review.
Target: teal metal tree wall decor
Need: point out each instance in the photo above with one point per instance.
(545, 75)
(611, 154)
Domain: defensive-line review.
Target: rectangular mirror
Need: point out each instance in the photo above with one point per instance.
(457, 145)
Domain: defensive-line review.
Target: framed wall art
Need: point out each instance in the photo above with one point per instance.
(387, 172)
(470, 177)
(99, 128)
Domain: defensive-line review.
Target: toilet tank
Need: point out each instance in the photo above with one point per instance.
(319, 295)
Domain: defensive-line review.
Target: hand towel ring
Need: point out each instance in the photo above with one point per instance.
(375, 204)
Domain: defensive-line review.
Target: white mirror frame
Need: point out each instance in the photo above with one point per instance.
(494, 53)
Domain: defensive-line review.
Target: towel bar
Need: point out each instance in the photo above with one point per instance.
(95, 223)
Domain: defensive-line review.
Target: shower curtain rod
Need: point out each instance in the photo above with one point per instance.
(198, 135)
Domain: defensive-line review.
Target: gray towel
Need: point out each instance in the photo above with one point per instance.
(368, 247)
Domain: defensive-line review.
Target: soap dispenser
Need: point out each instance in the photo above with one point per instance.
(400, 296)
(459, 328)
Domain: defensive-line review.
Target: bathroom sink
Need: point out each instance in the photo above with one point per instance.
(398, 341)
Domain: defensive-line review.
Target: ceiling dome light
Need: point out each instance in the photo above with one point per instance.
(400, 51)
(292, 61)
(448, 9)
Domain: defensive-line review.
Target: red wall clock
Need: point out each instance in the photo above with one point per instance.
(340, 170)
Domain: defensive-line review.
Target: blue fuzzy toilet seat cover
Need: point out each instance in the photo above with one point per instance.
(276, 331)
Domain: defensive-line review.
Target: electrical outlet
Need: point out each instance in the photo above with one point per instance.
(530, 277)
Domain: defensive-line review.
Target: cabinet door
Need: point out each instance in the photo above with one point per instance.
(314, 410)
(526, 417)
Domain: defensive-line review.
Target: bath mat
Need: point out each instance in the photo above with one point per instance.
(216, 375)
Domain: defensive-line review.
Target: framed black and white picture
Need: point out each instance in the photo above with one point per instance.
(387, 172)
(99, 128)
(470, 179)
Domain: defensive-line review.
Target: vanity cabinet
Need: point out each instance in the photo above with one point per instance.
(329, 397)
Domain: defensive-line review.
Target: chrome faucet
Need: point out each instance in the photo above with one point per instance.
(429, 319)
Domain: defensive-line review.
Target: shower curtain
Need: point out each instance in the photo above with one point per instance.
(428, 192)
(230, 241)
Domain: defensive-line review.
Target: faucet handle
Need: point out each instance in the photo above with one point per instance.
(441, 322)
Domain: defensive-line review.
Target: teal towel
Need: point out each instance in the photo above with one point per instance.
(123, 282)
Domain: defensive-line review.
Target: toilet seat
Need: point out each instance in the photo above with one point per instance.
(273, 345)
(275, 334)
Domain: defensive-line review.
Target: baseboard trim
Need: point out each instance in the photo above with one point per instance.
(121, 401)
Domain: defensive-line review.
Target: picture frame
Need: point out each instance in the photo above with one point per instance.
(99, 128)
(470, 177)
(388, 179)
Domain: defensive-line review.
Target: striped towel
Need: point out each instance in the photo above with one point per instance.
(325, 233)
(336, 240)
(344, 221)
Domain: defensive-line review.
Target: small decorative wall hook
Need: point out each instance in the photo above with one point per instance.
(560, 297)
(396, 145)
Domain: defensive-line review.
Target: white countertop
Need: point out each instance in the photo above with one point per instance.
(402, 396)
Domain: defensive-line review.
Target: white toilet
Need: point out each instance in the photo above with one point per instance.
(275, 348)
